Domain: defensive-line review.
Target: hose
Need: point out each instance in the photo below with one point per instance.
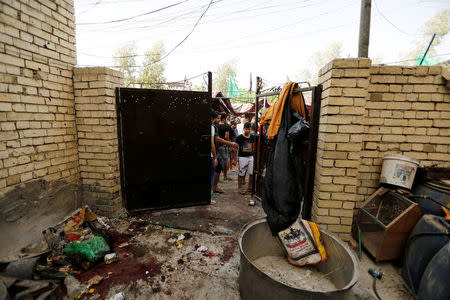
(374, 285)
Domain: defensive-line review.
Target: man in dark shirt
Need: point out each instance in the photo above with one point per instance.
(222, 150)
(246, 144)
(233, 136)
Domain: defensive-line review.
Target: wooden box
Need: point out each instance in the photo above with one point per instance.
(385, 221)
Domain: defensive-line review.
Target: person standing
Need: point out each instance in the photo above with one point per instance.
(246, 144)
(240, 126)
(222, 150)
(218, 141)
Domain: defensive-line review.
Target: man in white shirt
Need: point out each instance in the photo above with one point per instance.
(240, 126)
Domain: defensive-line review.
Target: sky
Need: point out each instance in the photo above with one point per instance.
(273, 39)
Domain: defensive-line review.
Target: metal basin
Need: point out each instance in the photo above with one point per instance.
(256, 241)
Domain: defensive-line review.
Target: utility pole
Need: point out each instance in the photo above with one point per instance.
(364, 28)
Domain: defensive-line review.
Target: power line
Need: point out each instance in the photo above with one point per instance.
(98, 2)
(170, 82)
(413, 59)
(384, 17)
(136, 16)
(193, 28)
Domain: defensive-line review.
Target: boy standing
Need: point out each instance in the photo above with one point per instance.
(246, 144)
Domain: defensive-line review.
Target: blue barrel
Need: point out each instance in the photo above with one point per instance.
(437, 194)
(429, 235)
(435, 283)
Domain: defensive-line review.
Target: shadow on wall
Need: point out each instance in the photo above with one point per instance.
(29, 209)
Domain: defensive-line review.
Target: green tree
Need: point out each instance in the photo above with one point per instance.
(125, 59)
(317, 60)
(229, 68)
(153, 68)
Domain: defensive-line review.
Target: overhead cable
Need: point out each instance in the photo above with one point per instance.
(387, 20)
(136, 16)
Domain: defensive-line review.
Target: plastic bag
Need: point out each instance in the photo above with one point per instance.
(92, 249)
(298, 130)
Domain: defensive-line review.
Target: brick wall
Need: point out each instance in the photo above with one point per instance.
(367, 112)
(37, 118)
(97, 137)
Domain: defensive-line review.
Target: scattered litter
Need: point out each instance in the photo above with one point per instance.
(180, 245)
(73, 286)
(251, 202)
(95, 280)
(123, 245)
(118, 296)
(101, 220)
(170, 226)
(213, 233)
(147, 272)
(202, 248)
(180, 261)
(109, 258)
(91, 249)
(131, 229)
(172, 240)
(187, 235)
(180, 237)
(146, 227)
(91, 291)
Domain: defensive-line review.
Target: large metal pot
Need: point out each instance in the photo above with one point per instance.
(256, 241)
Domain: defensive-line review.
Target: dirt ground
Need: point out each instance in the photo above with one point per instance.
(151, 266)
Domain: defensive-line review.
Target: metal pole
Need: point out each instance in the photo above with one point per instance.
(210, 84)
(429, 45)
(364, 28)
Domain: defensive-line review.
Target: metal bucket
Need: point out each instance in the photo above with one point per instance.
(256, 241)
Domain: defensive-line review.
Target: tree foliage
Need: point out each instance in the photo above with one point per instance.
(220, 80)
(152, 71)
(317, 60)
(125, 59)
(438, 24)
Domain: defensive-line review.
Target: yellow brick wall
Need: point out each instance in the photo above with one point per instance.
(97, 137)
(407, 112)
(37, 117)
(367, 112)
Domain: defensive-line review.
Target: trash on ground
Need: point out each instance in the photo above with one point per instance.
(95, 280)
(202, 248)
(118, 296)
(111, 257)
(91, 249)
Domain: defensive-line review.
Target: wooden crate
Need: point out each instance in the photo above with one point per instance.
(385, 220)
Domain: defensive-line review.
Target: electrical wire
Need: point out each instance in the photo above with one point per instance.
(170, 82)
(98, 2)
(187, 36)
(387, 20)
(413, 59)
(136, 16)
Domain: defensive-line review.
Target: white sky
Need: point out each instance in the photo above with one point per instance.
(271, 38)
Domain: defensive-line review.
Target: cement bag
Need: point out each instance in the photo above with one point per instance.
(302, 242)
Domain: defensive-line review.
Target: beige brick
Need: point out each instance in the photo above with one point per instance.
(354, 92)
(327, 220)
(339, 228)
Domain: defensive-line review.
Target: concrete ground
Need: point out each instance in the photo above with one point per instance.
(152, 266)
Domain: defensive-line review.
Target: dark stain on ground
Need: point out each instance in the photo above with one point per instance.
(125, 271)
(140, 250)
(228, 249)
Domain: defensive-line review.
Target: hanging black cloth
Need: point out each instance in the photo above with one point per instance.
(282, 193)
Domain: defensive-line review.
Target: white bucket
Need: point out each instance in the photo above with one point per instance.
(398, 170)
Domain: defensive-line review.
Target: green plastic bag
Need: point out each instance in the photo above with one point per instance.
(91, 249)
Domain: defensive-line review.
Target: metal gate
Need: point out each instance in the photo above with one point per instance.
(164, 144)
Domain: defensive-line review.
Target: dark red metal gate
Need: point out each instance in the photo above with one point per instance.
(164, 142)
